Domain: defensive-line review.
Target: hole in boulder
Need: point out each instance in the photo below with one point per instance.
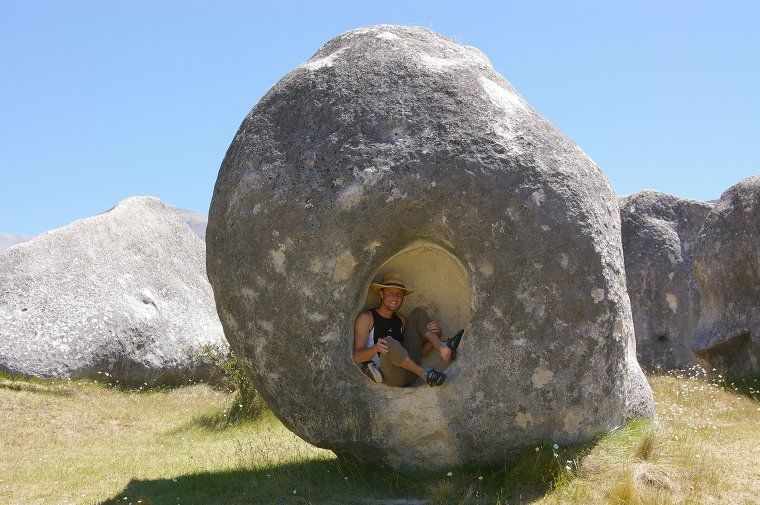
(441, 287)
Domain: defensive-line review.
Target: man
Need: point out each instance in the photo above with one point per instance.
(392, 346)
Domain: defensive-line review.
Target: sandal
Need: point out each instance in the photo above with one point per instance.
(434, 377)
(453, 343)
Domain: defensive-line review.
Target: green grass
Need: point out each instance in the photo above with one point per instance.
(85, 442)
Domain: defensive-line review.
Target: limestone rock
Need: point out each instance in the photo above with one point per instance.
(395, 148)
(10, 239)
(659, 231)
(727, 265)
(124, 292)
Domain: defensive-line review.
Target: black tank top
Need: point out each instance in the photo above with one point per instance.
(383, 327)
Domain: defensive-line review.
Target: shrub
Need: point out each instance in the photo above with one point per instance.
(229, 375)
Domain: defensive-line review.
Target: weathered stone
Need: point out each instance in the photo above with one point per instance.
(727, 266)
(394, 147)
(659, 231)
(124, 292)
(10, 239)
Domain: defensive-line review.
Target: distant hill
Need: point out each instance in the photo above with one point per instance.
(10, 239)
(195, 220)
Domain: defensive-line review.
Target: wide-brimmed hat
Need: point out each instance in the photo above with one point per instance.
(390, 280)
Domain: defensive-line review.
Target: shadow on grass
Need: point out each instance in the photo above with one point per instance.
(32, 387)
(314, 481)
(333, 480)
(102, 380)
(746, 386)
(234, 415)
(14, 382)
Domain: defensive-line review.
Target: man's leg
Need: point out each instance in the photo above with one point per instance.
(397, 366)
(417, 336)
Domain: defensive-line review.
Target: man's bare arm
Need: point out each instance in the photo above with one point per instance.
(362, 327)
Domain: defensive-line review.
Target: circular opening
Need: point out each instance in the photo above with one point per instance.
(441, 287)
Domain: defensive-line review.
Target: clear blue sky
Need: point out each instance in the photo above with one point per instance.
(102, 100)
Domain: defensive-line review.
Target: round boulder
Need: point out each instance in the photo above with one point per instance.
(727, 265)
(123, 293)
(659, 231)
(394, 148)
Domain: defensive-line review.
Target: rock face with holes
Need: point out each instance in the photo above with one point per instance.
(394, 148)
(727, 266)
(123, 293)
(659, 231)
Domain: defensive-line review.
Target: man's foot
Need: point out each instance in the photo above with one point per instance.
(371, 370)
(453, 343)
(433, 377)
(447, 355)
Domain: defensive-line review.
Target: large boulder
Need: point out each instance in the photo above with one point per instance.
(124, 292)
(727, 265)
(659, 231)
(394, 148)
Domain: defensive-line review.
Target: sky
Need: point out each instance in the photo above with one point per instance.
(102, 100)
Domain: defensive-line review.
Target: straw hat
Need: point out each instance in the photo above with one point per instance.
(390, 280)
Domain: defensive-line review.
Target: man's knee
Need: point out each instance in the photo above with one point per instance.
(420, 319)
(396, 352)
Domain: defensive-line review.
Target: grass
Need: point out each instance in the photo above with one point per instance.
(84, 442)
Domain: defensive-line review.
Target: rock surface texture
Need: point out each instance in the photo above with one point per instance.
(395, 141)
(659, 231)
(124, 292)
(727, 266)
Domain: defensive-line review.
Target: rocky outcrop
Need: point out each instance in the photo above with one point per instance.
(727, 266)
(10, 239)
(124, 292)
(395, 147)
(659, 231)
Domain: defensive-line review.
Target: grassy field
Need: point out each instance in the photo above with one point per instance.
(84, 442)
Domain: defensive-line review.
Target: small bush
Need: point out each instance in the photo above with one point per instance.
(228, 374)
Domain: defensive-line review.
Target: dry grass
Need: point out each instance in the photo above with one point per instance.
(704, 450)
(84, 442)
(87, 443)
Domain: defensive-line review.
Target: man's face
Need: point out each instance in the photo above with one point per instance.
(391, 298)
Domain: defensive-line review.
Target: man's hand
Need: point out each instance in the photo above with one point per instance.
(381, 345)
(433, 326)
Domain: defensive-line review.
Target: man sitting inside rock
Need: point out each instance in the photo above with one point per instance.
(391, 346)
